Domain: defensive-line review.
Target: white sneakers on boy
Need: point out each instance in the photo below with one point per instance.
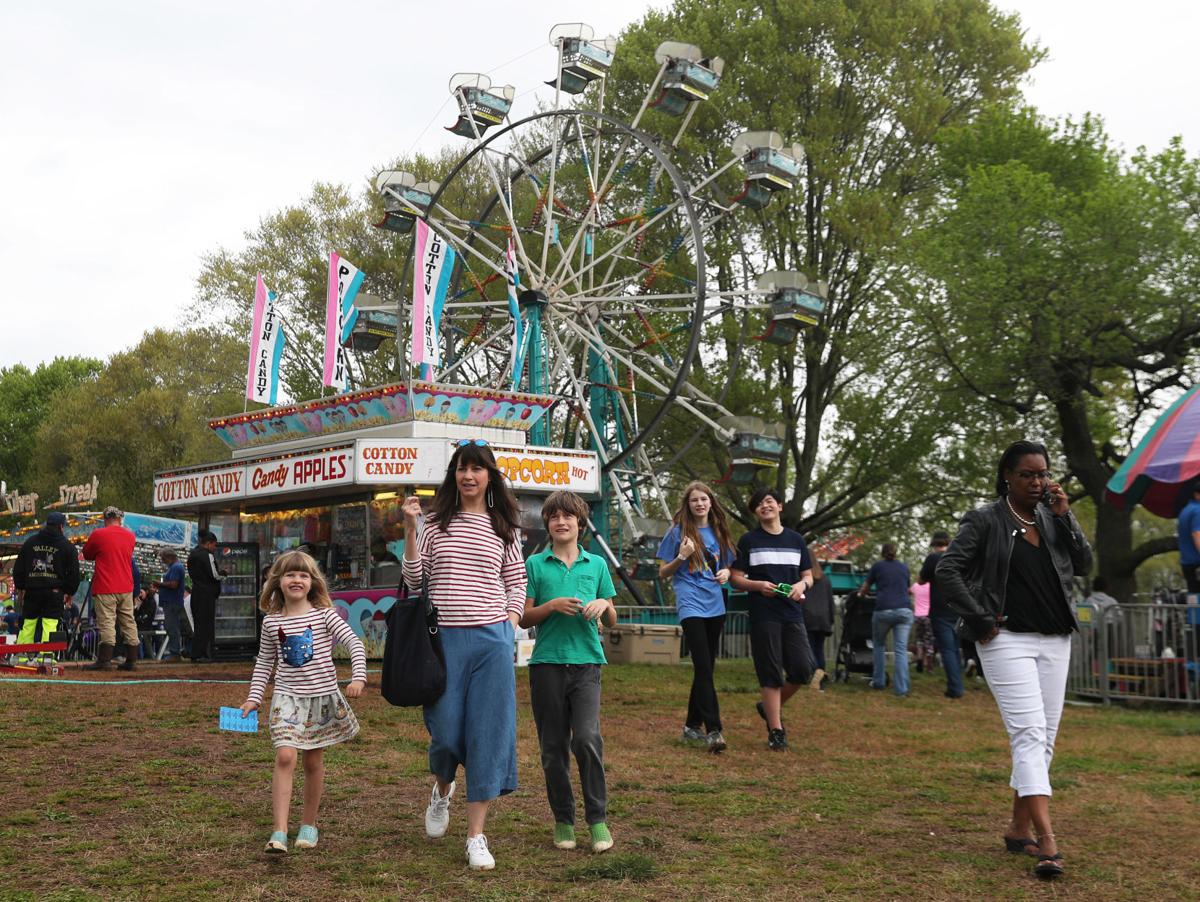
(478, 856)
(437, 815)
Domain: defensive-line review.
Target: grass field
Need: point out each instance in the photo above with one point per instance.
(128, 790)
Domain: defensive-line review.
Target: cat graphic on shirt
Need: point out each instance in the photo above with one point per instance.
(297, 650)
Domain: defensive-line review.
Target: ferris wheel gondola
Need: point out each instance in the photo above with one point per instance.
(582, 58)
(480, 105)
(404, 199)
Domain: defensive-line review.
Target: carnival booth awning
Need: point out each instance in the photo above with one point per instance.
(1158, 472)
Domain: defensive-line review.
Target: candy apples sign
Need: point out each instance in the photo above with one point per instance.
(295, 474)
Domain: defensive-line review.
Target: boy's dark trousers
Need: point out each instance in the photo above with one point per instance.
(566, 710)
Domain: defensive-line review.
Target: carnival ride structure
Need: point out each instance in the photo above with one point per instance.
(583, 268)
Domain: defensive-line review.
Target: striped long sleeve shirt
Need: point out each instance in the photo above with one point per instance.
(474, 578)
(302, 664)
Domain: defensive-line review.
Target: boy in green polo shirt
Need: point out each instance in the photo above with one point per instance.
(569, 592)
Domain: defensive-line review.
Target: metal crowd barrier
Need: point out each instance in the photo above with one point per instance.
(1136, 651)
(735, 641)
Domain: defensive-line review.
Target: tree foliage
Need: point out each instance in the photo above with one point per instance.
(867, 88)
(27, 399)
(1065, 290)
(291, 248)
(146, 410)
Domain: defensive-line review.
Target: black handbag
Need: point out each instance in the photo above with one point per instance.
(414, 665)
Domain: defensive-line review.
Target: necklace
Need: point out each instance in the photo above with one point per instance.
(1018, 516)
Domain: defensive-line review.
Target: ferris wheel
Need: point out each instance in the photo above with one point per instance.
(582, 265)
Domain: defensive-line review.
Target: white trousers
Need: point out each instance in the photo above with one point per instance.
(1027, 673)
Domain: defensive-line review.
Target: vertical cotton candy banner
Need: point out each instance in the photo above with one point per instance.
(431, 279)
(266, 347)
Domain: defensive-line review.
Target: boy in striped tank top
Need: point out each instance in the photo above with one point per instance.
(308, 711)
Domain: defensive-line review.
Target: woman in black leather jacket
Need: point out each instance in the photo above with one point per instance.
(1008, 574)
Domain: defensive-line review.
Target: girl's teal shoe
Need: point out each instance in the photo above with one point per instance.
(307, 837)
(277, 844)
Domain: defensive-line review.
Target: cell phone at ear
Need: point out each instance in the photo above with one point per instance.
(1048, 498)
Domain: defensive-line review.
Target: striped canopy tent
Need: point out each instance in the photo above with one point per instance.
(1158, 472)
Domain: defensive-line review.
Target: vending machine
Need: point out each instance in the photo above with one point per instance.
(237, 608)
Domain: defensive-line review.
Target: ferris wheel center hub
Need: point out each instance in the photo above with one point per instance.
(533, 297)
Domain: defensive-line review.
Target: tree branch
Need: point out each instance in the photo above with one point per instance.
(1151, 548)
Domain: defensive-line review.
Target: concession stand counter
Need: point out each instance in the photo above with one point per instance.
(329, 475)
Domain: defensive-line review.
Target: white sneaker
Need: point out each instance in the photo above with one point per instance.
(437, 815)
(478, 856)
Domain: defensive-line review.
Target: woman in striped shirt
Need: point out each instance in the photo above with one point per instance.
(308, 711)
(470, 553)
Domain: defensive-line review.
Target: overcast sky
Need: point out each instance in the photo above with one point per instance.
(137, 136)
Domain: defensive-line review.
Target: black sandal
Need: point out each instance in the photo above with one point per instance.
(1048, 866)
(1019, 846)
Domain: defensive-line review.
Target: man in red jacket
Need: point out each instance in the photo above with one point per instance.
(111, 547)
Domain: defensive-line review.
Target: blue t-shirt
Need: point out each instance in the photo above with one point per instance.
(891, 585)
(1189, 522)
(777, 559)
(175, 573)
(697, 594)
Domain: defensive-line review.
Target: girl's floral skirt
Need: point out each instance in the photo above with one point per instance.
(311, 722)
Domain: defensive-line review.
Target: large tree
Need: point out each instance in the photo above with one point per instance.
(1064, 290)
(27, 398)
(145, 411)
(867, 88)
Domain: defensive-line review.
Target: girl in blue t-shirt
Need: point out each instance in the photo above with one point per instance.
(695, 556)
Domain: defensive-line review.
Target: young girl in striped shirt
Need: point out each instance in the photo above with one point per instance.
(470, 553)
(308, 711)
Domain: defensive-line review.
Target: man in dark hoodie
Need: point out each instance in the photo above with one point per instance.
(47, 569)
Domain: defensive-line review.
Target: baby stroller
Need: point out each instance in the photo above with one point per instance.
(83, 636)
(855, 651)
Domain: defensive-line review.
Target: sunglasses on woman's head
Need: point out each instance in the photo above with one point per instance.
(463, 442)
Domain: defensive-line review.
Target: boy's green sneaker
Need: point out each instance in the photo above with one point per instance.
(602, 840)
(564, 836)
(307, 837)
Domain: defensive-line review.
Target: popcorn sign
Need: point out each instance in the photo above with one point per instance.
(546, 470)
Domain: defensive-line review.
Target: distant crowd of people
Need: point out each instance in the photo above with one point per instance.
(127, 612)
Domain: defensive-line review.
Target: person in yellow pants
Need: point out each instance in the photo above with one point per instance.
(47, 568)
(35, 627)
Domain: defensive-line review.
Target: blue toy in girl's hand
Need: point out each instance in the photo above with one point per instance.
(231, 719)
